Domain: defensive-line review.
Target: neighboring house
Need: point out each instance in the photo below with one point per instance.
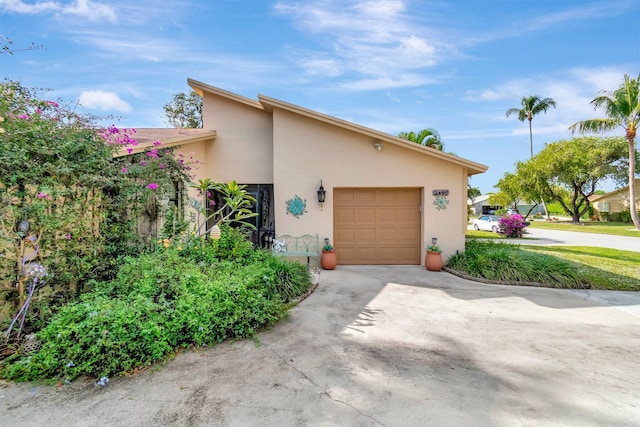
(481, 206)
(386, 198)
(615, 201)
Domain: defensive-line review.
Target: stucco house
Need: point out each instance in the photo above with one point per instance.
(386, 198)
(615, 201)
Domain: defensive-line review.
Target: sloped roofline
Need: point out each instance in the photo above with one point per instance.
(269, 104)
(200, 88)
(611, 193)
(168, 142)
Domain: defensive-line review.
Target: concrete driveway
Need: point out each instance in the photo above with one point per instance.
(382, 346)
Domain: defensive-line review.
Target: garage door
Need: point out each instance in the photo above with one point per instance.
(377, 225)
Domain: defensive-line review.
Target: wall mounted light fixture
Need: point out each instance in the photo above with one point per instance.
(378, 145)
(321, 194)
(434, 240)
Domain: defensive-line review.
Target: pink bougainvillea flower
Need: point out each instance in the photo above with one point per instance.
(143, 163)
(44, 196)
(212, 202)
(129, 150)
(124, 170)
(67, 236)
(152, 186)
(161, 166)
(157, 143)
(24, 116)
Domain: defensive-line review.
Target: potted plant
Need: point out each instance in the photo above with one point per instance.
(328, 259)
(433, 260)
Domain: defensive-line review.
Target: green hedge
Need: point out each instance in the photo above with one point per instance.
(194, 292)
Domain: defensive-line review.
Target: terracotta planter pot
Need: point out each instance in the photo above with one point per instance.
(433, 261)
(328, 260)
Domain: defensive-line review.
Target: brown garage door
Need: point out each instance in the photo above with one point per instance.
(377, 225)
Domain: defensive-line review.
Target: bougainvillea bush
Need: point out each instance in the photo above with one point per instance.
(511, 225)
(58, 173)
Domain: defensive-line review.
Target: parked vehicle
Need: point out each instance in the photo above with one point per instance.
(487, 223)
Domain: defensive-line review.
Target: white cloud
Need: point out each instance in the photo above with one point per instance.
(89, 9)
(388, 82)
(104, 101)
(371, 42)
(18, 6)
(93, 11)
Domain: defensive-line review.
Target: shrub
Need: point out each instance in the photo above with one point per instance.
(507, 262)
(174, 297)
(511, 225)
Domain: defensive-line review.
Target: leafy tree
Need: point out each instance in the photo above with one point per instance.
(575, 166)
(510, 187)
(531, 106)
(428, 137)
(184, 111)
(622, 108)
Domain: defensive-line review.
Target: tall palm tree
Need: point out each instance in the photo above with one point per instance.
(531, 105)
(428, 137)
(622, 108)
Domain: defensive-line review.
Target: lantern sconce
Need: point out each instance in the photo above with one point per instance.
(434, 240)
(377, 145)
(321, 194)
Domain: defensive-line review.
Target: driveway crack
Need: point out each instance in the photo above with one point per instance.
(324, 392)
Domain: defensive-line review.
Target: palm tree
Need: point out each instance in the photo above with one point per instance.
(622, 108)
(428, 137)
(531, 105)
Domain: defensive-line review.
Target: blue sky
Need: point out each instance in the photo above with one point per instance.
(393, 65)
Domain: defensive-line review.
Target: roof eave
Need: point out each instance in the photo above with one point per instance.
(200, 88)
(168, 143)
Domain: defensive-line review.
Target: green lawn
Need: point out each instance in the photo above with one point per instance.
(614, 228)
(605, 268)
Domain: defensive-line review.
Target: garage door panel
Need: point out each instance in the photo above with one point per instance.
(344, 215)
(408, 197)
(408, 236)
(387, 197)
(377, 226)
(365, 255)
(343, 198)
(365, 236)
(386, 216)
(347, 255)
(364, 197)
(387, 236)
(408, 215)
(345, 235)
(365, 216)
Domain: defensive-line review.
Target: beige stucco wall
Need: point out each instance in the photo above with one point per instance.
(618, 200)
(243, 148)
(307, 150)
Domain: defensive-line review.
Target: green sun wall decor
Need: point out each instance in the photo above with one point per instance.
(296, 206)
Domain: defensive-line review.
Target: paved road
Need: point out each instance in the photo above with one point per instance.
(382, 346)
(540, 236)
